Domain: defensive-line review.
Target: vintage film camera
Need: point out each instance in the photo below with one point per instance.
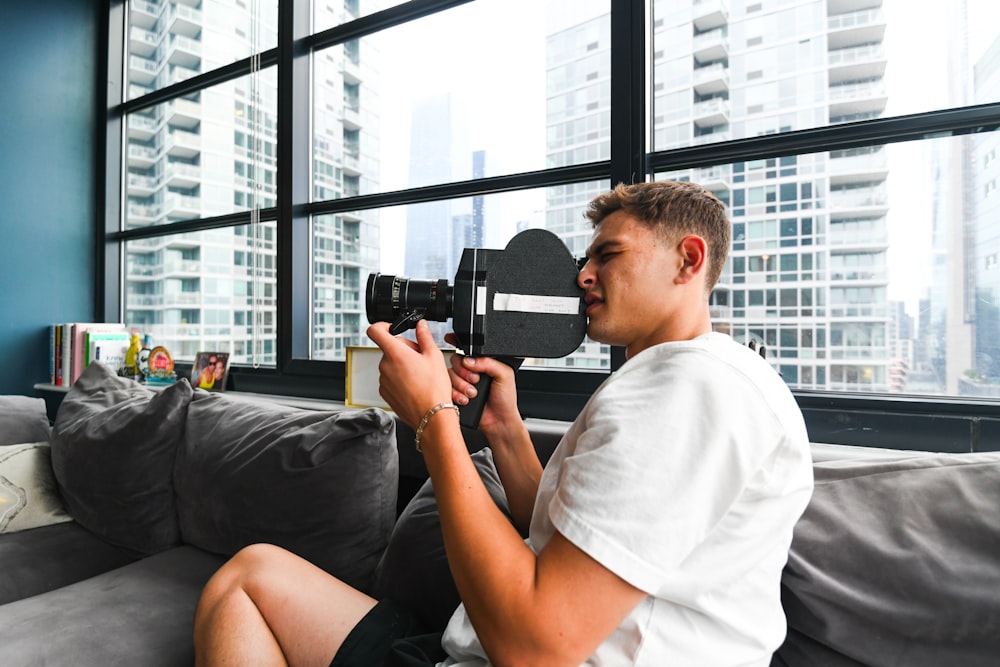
(519, 302)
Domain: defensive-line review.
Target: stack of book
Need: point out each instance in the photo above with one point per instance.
(75, 345)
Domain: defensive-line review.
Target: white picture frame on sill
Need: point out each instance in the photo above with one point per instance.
(362, 376)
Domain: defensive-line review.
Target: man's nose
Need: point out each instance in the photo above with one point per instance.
(586, 276)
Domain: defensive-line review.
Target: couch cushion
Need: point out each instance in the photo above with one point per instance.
(414, 568)
(43, 559)
(113, 449)
(29, 497)
(138, 614)
(23, 419)
(320, 484)
(895, 562)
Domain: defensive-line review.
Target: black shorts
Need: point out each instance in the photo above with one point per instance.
(389, 635)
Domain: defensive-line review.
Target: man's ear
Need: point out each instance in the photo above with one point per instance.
(694, 254)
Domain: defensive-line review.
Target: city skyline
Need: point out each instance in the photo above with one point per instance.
(721, 70)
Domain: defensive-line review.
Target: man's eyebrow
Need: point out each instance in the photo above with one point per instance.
(602, 247)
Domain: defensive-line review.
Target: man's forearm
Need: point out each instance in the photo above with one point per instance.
(493, 568)
(520, 472)
(513, 596)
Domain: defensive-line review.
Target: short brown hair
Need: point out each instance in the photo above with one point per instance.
(676, 209)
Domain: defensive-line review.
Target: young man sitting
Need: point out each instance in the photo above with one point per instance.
(657, 531)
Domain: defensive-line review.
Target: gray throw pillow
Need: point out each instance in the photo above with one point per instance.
(23, 419)
(113, 449)
(320, 484)
(414, 568)
(895, 562)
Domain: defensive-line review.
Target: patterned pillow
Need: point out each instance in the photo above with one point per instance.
(29, 497)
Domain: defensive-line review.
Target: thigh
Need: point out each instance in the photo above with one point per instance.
(309, 611)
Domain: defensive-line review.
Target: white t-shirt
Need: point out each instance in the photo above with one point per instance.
(684, 475)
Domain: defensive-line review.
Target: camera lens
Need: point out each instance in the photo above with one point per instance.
(387, 297)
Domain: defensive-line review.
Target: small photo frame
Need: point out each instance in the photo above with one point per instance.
(210, 371)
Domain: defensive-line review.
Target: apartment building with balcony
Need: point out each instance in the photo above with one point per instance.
(808, 275)
(807, 278)
(213, 153)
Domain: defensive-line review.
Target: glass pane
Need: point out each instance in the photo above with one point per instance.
(331, 13)
(209, 153)
(172, 41)
(425, 242)
(198, 292)
(873, 269)
(732, 69)
(399, 110)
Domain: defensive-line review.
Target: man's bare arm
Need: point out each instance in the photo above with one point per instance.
(551, 609)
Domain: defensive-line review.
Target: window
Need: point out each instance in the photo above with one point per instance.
(258, 193)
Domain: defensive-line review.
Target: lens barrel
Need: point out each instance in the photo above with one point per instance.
(387, 298)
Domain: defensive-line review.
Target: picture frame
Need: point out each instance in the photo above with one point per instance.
(363, 376)
(210, 371)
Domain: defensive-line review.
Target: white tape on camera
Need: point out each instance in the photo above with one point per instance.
(537, 303)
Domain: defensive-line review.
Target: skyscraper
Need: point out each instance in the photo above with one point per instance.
(986, 262)
(439, 153)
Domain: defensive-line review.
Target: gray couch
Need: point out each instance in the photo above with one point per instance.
(133, 499)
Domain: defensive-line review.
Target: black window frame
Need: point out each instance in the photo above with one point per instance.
(956, 424)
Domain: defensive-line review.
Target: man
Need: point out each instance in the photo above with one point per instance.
(659, 528)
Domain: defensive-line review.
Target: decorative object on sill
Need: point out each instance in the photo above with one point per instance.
(130, 368)
(210, 371)
(161, 367)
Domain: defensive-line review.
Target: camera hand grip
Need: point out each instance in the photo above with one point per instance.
(470, 414)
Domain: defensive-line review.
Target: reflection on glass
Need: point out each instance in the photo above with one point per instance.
(398, 109)
(212, 290)
(209, 153)
(168, 41)
(732, 69)
(873, 269)
(328, 14)
(425, 242)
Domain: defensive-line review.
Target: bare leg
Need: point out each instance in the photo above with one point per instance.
(267, 606)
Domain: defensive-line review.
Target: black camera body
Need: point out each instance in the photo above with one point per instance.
(523, 301)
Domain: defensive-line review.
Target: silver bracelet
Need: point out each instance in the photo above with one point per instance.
(427, 417)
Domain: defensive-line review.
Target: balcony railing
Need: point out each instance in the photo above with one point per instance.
(857, 91)
(859, 197)
(857, 54)
(858, 19)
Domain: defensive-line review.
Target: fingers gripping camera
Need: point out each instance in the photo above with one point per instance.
(519, 302)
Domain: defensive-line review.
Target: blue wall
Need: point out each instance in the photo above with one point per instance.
(49, 97)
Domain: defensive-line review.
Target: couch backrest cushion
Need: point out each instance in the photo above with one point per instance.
(320, 484)
(23, 419)
(113, 449)
(896, 561)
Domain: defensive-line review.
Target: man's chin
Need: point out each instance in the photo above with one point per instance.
(597, 334)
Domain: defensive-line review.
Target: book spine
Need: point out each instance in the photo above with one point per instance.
(67, 353)
(54, 332)
(77, 343)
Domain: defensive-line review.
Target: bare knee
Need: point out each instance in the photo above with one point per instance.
(237, 574)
